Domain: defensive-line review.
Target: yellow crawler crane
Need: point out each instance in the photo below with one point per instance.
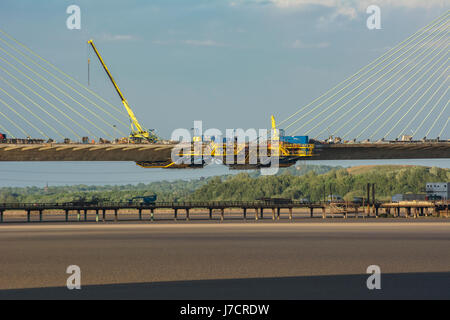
(248, 155)
(138, 134)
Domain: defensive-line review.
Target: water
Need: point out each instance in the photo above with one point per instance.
(20, 174)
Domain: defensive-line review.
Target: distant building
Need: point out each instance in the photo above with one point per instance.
(438, 190)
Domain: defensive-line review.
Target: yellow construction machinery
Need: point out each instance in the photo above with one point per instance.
(279, 150)
(284, 150)
(138, 134)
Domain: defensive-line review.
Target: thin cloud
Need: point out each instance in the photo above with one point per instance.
(118, 37)
(197, 43)
(162, 42)
(298, 44)
(360, 5)
(349, 8)
(203, 43)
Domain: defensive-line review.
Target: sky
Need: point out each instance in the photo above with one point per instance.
(229, 63)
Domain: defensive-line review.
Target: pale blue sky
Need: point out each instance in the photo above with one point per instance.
(229, 63)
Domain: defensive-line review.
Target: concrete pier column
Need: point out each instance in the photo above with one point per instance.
(245, 213)
(187, 214)
(290, 213)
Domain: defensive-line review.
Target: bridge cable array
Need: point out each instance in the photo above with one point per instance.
(391, 52)
(10, 120)
(395, 82)
(120, 110)
(394, 70)
(393, 93)
(42, 97)
(65, 83)
(37, 104)
(56, 98)
(445, 68)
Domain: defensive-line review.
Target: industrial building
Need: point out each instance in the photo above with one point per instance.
(438, 190)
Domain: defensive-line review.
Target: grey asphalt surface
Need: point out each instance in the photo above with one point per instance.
(212, 260)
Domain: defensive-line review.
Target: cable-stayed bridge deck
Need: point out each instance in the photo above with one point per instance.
(365, 151)
(162, 152)
(83, 152)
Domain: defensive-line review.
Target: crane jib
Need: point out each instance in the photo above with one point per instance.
(137, 132)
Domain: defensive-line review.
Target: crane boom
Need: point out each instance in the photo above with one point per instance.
(137, 132)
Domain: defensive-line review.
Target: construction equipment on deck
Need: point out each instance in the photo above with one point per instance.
(279, 150)
(138, 134)
(284, 150)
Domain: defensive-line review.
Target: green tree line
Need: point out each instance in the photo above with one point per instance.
(388, 181)
(305, 181)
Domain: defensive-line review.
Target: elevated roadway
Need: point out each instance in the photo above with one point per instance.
(162, 152)
(85, 152)
(365, 151)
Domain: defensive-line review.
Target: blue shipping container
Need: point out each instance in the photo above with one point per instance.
(295, 139)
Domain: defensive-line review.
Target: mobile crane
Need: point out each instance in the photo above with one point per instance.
(288, 149)
(138, 134)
